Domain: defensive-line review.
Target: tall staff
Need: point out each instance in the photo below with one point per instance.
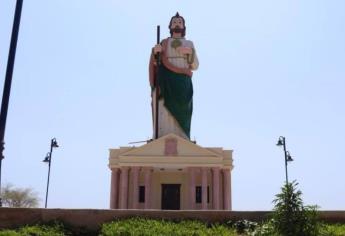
(156, 83)
(8, 81)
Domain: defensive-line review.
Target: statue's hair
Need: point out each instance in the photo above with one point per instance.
(183, 21)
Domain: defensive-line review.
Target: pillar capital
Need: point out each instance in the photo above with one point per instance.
(191, 169)
(124, 168)
(147, 168)
(135, 168)
(115, 171)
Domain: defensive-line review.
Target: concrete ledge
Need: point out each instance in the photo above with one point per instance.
(92, 219)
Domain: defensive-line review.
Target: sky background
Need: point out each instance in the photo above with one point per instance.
(267, 68)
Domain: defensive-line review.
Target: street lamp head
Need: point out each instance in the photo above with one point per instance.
(54, 143)
(47, 158)
(288, 156)
(281, 141)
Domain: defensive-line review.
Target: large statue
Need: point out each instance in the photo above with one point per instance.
(171, 76)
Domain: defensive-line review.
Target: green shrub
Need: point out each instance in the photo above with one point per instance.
(291, 217)
(36, 230)
(332, 230)
(242, 226)
(147, 227)
(264, 229)
(9, 233)
(42, 230)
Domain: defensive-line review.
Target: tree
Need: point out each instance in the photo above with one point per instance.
(291, 217)
(19, 197)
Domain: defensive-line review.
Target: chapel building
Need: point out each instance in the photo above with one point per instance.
(170, 173)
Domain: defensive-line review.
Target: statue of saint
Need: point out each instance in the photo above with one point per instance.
(171, 78)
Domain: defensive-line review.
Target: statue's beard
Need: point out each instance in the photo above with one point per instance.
(177, 30)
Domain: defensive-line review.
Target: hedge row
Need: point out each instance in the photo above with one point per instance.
(148, 227)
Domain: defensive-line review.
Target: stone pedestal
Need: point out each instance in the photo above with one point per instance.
(170, 173)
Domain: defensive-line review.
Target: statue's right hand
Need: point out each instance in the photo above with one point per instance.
(157, 49)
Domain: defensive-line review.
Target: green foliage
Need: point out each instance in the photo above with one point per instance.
(332, 230)
(264, 229)
(42, 230)
(248, 228)
(9, 233)
(146, 227)
(291, 217)
(36, 230)
(141, 226)
(18, 197)
(243, 226)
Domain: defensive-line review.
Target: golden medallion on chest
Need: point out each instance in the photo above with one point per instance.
(175, 43)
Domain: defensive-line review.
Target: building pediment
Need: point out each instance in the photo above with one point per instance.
(158, 147)
(170, 150)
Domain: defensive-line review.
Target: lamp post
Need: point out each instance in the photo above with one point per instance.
(288, 158)
(8, 81)
(48, 159)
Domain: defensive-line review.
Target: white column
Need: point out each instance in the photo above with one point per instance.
(215, 187)
(191, 174)
(227, 189)
(135, 178)
(123, 188)
(114, 188)
(148, 176)
(204, 187)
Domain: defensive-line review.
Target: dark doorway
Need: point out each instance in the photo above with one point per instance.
(171, 196)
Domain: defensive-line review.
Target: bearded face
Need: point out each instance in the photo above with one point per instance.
(177, 26)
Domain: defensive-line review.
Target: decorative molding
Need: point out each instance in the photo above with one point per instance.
(170, 147)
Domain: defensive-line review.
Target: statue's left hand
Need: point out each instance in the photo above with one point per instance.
(184, 50)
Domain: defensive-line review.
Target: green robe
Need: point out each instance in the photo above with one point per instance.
(177, 91)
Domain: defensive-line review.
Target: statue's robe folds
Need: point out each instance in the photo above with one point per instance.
(175, 88)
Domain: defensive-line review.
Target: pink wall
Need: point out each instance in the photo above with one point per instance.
(92, 218)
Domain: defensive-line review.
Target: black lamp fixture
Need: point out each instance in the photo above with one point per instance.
(54, 143)
(287, 156)
(280, 141)
(48, 159)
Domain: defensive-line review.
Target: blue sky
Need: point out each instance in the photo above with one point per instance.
(267, 68)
